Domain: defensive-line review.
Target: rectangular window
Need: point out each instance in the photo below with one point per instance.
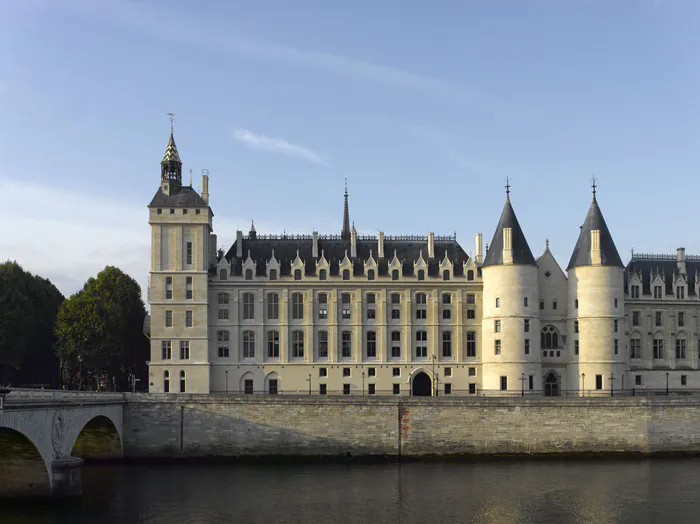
(576, 347)
(168, 288)
(421, 344)
(273, 344)
(297, 306)
(527, 326)
(527, 346)
(421, 314)
(658, 348)
(223, 314)
(638, 380)
(395, 298)
(395, 372)
(541, 305)
(188, 288)
(346, 389)
(223, 352)
(323, 344)
(167, 349)
(471, 314)
(346, 344)
(575, 326)
(472, 389)
(371, 344)
(497, 326)
(188, 319)
(397, 389)
(599, 381)
(248, 344)
(371, 314)
(615, 325)
(446, 298)
(322, 372)
(658, 293)
(635, 318)
(248, 306)
(346, 372)
(168, 319)
(448, 389)
(684, 380)
(504, 383)
(371, 389)
(471, 299)
(448, 372)
(273, 306)
(554, 304)
(497, 347)
(395, 314)
(531, 382)
(371, 372)
(248, 386)
(323, 312)
(345, 313)
(615, 302)
(222, 338)
(371, 298)
(525, 301)
(680, 348)
(659, 319)
(635, 348)
(395, 344)
(472, 372)
(680, 292)
(617, 346)
(322, 389)
(184, 350)
(189, 253)
(635, 291)
(446, 314)
(222, 298)
(681, 319)
(471, 344)
(447, 344)
(297, 344)
(272, 387)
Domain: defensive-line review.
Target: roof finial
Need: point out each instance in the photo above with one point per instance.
(546, 243)
(190, 178)
(345, 232)
(507, 188)
(593, 185)
(172, 119)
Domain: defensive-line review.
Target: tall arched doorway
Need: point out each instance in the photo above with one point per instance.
(551, 385)
(421, 386)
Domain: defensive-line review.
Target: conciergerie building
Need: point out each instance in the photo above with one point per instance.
(409, 315)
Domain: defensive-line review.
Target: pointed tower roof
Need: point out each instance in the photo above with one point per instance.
(171, 154)
(521, 249)
(345, 232)
(582, 252)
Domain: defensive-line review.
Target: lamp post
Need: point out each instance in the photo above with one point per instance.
(522, 384)
(612, 384)
(80, 373)
(433, 374)
(226, 373)
(667, 383)
(583, 384)
(437, 385)
(363, 383)
(309, 381)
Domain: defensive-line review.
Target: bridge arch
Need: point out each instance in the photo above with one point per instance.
(23, 470)
(98, 439)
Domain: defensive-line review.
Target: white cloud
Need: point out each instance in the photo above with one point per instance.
(277, 145)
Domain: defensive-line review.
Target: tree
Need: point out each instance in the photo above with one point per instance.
(100, 330)
(28, 308)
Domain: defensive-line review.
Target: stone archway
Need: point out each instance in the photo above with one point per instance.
(421, 385)
(552, 386)
(23, 471)
(98, 440)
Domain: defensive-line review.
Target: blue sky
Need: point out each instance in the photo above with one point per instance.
(425, 107)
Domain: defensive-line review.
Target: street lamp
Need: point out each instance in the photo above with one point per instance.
(583, 384)
(522, 384)
(437, 385)
(226, 373)
(309, 381)
(667, 383)
(80, 381)
(612, 384)
(363, 383)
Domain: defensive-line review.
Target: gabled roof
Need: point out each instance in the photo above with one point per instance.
(186, 196)
(582, 252)
(521, 250)
(171, 154)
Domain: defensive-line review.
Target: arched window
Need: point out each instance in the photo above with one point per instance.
(248, 344)
(446, 274)
(549, 337)
(470, 274)
(322, 274)
(498, 301)
(421, 274)
(273, 274)
(297, 274)
(346, 274)
(370, 274)
(166, 381)
(394, 274)
(182, 381)
(249, 274)
(222, 274)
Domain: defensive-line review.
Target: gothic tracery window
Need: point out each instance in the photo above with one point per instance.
(549, 337)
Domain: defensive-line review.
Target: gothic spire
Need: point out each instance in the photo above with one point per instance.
(171, 165)
(345, 233)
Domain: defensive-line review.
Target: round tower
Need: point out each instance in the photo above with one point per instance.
(596, 323)
(510, 350)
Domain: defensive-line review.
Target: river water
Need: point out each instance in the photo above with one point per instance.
(494, 491)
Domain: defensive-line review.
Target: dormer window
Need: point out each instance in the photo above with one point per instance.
(273, 274)
(346, 274)
(172, 211)
(184, 211)
(658, 292)
(446, 274)
(222, 274)
(421, 274)
(680, 292)
(394, 274)
(470, 274)
(635, 291)
(249, 274)
(322, 274)
(370, 274)
(297, 274)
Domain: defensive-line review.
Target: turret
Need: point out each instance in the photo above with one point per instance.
(596, 307)
(510, 322)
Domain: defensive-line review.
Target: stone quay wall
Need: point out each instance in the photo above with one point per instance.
(182, 425)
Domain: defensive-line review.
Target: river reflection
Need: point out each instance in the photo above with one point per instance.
(504, 491)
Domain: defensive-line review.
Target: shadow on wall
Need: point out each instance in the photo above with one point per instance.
(22, 470)
(99, 440)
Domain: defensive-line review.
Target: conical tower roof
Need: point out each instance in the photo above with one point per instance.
(521, 249)
(171, 154)
(582, 252)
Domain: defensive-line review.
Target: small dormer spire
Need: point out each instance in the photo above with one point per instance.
(252, 233)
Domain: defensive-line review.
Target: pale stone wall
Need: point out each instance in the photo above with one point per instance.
(192, 425)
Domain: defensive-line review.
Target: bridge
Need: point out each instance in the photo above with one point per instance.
(46, 435)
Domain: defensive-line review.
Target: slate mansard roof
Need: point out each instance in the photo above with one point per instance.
(519, 245)
(666, 266)
(333, 248)
(185, 196)
(582, 252)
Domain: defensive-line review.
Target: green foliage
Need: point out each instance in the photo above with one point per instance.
(100, 328)
(28, 308)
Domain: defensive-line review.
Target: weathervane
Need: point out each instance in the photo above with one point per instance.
(593, 185)
(507, 187)
(172, 119)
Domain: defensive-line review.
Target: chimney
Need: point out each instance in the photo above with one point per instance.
(212, 249)
(380, 247)
(680, 260)
(507, 245)
(314, 247)
(239, 244)
(205, 188)
(596, 259)
(353, 242)
(431, 245)
(479, 248)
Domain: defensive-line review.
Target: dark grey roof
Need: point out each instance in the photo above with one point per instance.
(582, 252)
(171, 154)
(521, 250)
(186, 196)
(666, 266)
(333, 249)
